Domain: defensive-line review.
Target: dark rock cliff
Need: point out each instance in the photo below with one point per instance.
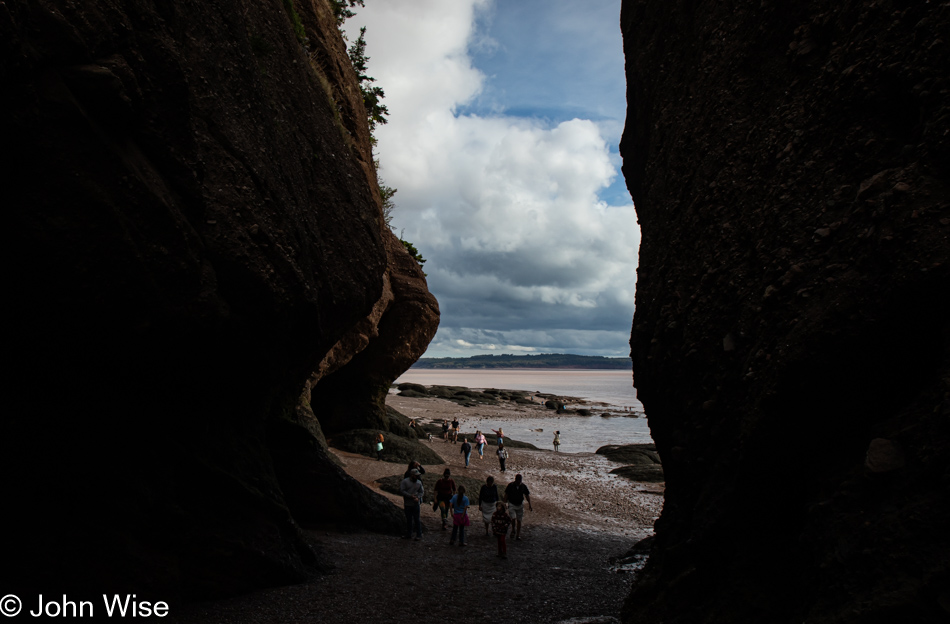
(790, 165)
(195, 228)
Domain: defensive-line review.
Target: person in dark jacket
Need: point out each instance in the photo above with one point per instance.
(466, 450)
(487, 497)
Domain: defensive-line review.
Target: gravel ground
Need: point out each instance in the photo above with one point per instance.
(559, 571)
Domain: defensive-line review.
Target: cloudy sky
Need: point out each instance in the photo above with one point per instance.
(504, 121)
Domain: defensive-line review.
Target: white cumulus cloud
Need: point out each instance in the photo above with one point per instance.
(522, 253)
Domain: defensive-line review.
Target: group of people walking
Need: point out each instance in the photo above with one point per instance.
(499, 512)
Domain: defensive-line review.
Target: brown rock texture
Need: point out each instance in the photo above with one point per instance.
(354, 396)
(195, 224)
(790, 166)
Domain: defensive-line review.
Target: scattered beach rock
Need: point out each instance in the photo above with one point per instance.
(395, 448)
(647, 473)
(413, 387)
(509, 443)
(413, 394)
(643, 462)
(640, 454)
(399, 424)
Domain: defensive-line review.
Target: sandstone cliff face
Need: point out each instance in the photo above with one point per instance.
(790, 169)
(354, 396)
(195, 226)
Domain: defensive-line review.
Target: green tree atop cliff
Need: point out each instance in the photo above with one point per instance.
(341, 9)
(376, 111)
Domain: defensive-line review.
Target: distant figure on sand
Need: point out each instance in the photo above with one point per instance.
(460, 518)
(515, 495)
(501, 435)
(557, 440)
(455, 430)
(444, 489)
(502, 456)
(480, 441)
(445, 430)
(500, 521)
(487, 497)
(466, 450)
(379, 446)
(412, 493)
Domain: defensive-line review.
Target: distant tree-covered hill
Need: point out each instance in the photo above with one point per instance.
(543, 360)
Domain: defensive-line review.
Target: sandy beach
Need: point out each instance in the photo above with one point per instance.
(572, 489)
(582, 519)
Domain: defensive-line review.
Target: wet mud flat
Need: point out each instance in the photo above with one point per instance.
(551, 575)
(565, 566)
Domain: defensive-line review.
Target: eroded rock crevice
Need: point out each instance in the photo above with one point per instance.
(196, 227)
(789, 166)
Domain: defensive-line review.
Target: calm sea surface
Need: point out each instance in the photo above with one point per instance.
(613, 388)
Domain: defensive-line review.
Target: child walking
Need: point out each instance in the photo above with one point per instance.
(502, 456)
(459, 516)
(500, 521)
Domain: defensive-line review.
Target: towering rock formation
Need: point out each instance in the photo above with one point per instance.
(196, 228)
(790, 165)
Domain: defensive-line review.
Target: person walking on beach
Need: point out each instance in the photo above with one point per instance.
(444, 489)
(500, 521)
(379, 446)
(412, 493)
(501, 435)
(487, 499)
(515, 495)
(466, 450)
(502, 456)
(460, 518)
(414, 465)
(445, 429)
(557, 440)
(480, 441)
(455, 431)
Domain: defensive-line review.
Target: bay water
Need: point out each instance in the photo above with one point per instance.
(605, 391)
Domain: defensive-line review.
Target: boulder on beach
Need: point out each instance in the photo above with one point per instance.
(509, 443)
(399, 424)
(395, 448)
(413, 394)
(640, 454)
(414, 387)
(651, 473)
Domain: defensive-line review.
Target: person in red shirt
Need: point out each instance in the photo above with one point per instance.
(444, 489)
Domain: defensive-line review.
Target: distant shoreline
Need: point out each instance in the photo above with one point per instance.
(548, 361)
(520, 368)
